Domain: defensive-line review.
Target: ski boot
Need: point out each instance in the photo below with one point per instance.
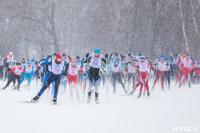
(153, 87)
(4, 88)
(89, 97)
(96, 98)
(144, 93)
(132, 92)
(16, 88)
(139, 95)
(148, 93)
(35, 99)
(96, 101)
(125, 91)
(189, 84)
(180, 85)
(54, 101)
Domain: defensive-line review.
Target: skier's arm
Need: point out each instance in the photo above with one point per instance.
(11, 71)
(66, 68)
(47, 68)
(179, 60)
(104, 60)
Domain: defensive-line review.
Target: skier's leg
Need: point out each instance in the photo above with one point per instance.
(29, 79)
(10, 79)
(89, 90)
(18, 81)
(48, 82)
(168, 78)
(120, 81)
(114, 83)
(96, 92)
(57, 83)
(76, 89)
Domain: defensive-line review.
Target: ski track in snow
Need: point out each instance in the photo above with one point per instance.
(121, 114)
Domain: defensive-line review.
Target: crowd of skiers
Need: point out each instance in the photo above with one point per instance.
(129, 70)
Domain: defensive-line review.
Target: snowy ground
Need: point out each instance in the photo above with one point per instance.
(122, 114)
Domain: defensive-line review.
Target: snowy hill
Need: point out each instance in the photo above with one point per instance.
(121, 114)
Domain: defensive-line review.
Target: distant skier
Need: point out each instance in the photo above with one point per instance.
(117, 75)
(1, 68)
(143, 76)
(15, 74)
(185, 66)
(161, 66)
(73, 78)
(180, 60)
(197, 70)
(28, 75)
(167, 72)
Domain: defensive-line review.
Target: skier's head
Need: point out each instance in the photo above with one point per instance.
(184, 54)
(19, 65)
(29, 64)
(77, 58)
(97, 52)
(73, 62)
(49, 56)
(162, 59)
(64, 54)
(175, 55)
(139, 54)
(10, 53)
(142, 58)
(134, 58)
(33, 58)
(166, 59)
(197, 59)
(58, 58)
(23, 60)
(12, 62)
(116, 62)
(188, 57)
(129, 52)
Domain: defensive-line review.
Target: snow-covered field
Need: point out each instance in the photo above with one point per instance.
(121, 114)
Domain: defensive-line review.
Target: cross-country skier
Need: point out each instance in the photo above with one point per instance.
(197, 70)
(73, 78)
(161, 65)
(57, 70)
(180, 60)
(128, 57)
(28, 75)
(17, 72)
(143, 68)
(95, 64)
(167, 72)
(185, 66)
(117, 75)
(1, 68)
(131, 71)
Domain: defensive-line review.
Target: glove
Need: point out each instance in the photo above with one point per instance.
(64, 73)
(47, 72)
